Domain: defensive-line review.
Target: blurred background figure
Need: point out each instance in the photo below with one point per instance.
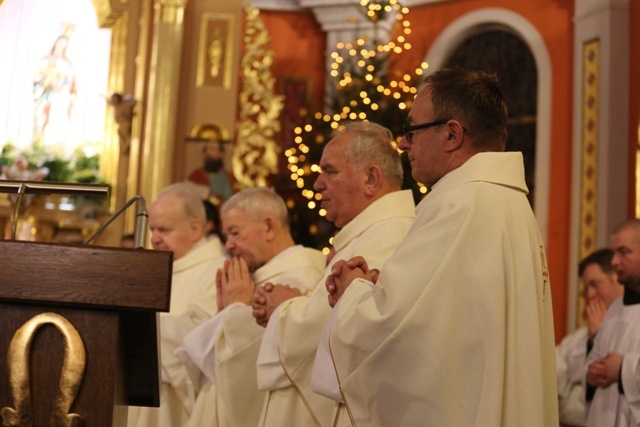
(600, 290)
(212, 174)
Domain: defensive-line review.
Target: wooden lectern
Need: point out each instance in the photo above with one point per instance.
(78, 332)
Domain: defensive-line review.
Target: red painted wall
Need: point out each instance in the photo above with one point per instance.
(299, 46)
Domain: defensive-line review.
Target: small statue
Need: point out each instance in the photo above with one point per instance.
(123, 112)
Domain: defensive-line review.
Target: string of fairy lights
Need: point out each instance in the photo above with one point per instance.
(356, 66)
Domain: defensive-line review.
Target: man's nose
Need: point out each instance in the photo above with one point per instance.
(404, 143)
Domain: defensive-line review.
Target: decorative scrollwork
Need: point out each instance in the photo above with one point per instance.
(255, 155)
(19, 380)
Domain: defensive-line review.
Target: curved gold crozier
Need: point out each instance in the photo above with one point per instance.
(70, 377)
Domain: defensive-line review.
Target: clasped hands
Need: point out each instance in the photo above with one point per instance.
(344, 272)
(268, 297)
(234, 283)
(604, 371)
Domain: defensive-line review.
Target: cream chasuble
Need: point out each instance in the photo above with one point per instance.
(458, 331)
(221, 353)
(620, 333)
(290, 341)
(193, 300)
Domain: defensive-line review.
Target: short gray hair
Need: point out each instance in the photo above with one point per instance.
(258, 202)
(191, 199)
(372, 145)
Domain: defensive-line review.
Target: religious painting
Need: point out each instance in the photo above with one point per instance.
(54, 79)
(215, 50)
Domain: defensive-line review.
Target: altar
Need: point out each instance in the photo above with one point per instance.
(54, 218)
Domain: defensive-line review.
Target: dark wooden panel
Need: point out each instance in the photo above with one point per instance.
(86, 276)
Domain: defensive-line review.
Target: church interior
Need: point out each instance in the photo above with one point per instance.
(145, 83)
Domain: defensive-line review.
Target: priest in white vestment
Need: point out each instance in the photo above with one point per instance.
(613, 398)
(456, 329)
(221, 353)
(360, 182)
(176, 220)
(600, 289)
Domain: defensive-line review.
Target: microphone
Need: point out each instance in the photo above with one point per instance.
(142, 221)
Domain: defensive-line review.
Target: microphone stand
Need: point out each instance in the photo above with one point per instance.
(142, 221)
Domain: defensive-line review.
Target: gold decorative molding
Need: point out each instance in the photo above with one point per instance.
(171, 11)
(164, 67)
(255, 155)
(18, 361)
(112, 161)
(106, 15)
(215, 50)
(590, 147)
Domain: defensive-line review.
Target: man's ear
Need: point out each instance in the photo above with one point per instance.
(454, 136)
(373, 179)
(197, 229)
(271, 228)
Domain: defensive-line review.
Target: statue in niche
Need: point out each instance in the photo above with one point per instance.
(123, 112)
(54, 93)
(216, 52)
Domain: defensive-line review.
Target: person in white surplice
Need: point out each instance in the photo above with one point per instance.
(613, 399)
(360, 187)
(456, 329)
(600, 290)
(176, 221)
(221, 353)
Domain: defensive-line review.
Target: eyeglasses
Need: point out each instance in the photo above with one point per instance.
(409, 130)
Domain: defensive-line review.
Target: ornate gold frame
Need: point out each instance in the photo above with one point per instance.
(590, 147)
(215, 50)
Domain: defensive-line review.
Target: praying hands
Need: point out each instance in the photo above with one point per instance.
(268, 297)
(345, 272)
(234, 283)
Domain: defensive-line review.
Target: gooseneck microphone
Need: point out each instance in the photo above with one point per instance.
(142, 221)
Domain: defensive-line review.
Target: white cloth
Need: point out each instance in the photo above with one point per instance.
(458, 330)
(193, 300)
(620, 333)
(224, 349)
(289, 345)
(571, 356)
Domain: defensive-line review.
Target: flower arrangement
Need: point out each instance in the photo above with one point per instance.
(83, 166)
(41, 164)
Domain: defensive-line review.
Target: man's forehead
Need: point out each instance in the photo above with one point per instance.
(422, 106)
(235, 216)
